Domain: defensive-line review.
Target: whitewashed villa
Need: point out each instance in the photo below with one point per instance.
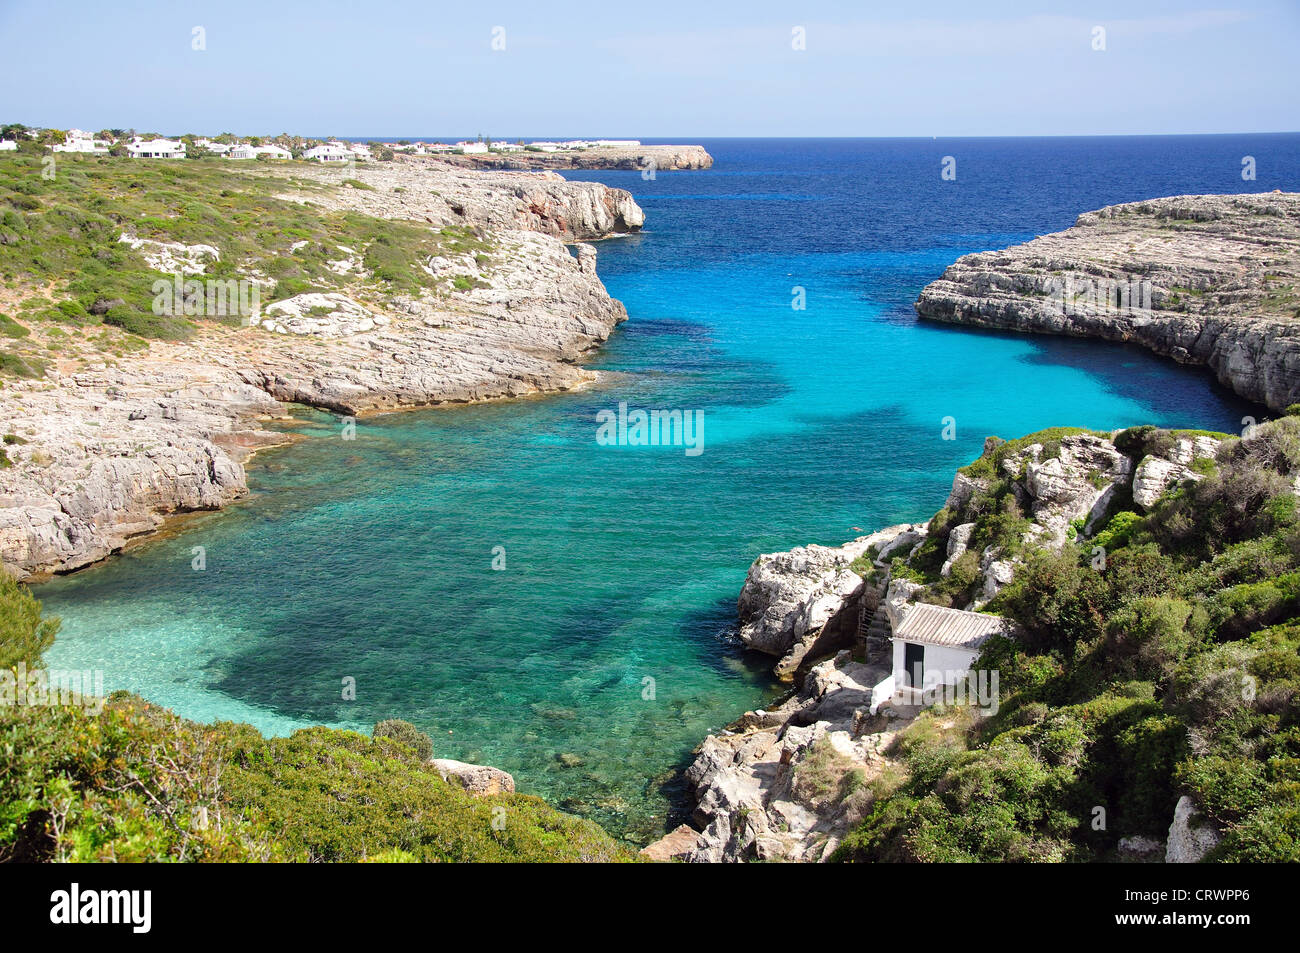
(328, 153)
(220, 148)
(157, 149)
(242, 150)
(472, 148)
(7, 145)
(78, 140)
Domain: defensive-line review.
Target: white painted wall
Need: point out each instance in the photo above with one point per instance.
(953, 662)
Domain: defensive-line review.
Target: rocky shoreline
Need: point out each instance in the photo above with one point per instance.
(771, 785)
(102, 454)
(632, 158)
(1202, 279)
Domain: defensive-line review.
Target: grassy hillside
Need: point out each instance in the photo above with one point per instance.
(136, 783)
(62, 262)
(1173, 669)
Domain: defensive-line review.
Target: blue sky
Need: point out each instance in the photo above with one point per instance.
(658, 69)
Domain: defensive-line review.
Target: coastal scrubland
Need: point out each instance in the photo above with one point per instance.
(1169, 667)
(61, 236)
(135, 782)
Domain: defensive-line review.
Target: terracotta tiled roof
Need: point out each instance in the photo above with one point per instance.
(935, 625)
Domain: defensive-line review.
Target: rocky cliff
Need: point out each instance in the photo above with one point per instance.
(633, 158)
(433, 192)
(101, 450)
(1203, 279)
(790, 782)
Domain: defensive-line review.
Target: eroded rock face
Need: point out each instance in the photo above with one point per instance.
(761, 790)
(426, 190)
(1071, 485)
(1191, 836)
(789, 597)
(1155, 476)
(475, 778)
(1218, 266)
(110, 453)
(632, 158)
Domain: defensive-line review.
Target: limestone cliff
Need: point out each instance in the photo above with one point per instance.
(443, 195)
(1203, 279)
(780, 783)
(630, 158)
(100, 453)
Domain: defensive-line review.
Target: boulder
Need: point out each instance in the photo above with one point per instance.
(475, 778)
(675, 845)
(1191, 836)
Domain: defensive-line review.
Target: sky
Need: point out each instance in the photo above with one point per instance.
(662, 69)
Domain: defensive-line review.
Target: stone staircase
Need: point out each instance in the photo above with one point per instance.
(873, 624)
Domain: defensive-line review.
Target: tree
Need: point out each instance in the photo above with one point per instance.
(24, 635)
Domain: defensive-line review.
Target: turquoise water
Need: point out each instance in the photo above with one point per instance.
(372, 559)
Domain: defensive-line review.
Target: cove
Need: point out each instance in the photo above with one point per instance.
(373, 558)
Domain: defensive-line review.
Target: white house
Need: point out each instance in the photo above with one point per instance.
(157, 149)
(933, 647)
(242, 150)
(472, 148)
(507, 147)
(328, 153)
(618, 143)
(220, 148)
(7, 145)
(272, 150)
(359, 151)
(78, 140)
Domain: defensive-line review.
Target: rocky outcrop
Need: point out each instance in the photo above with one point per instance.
(1203, 279)
(427, 191)
(678, 844)
(1074, 483)
(108, 453)
(779, 784)
(1191, 836)
(632, 158)
(475, 778)
(1155, 475)
(103, 454)
(790, 600)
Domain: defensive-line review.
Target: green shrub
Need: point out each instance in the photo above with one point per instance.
(24, 634)
(407, 734)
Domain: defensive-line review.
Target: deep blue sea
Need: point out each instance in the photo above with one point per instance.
(601, 649)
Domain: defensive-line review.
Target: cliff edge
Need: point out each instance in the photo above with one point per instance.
(1203, 279)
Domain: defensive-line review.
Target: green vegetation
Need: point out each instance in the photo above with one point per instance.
(989, 464)
(1172, 668)
(62, 234)
(134, 782)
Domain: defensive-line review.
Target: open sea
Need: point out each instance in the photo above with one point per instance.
(564, 609)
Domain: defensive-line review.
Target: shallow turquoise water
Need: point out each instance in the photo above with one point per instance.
(373, 558)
